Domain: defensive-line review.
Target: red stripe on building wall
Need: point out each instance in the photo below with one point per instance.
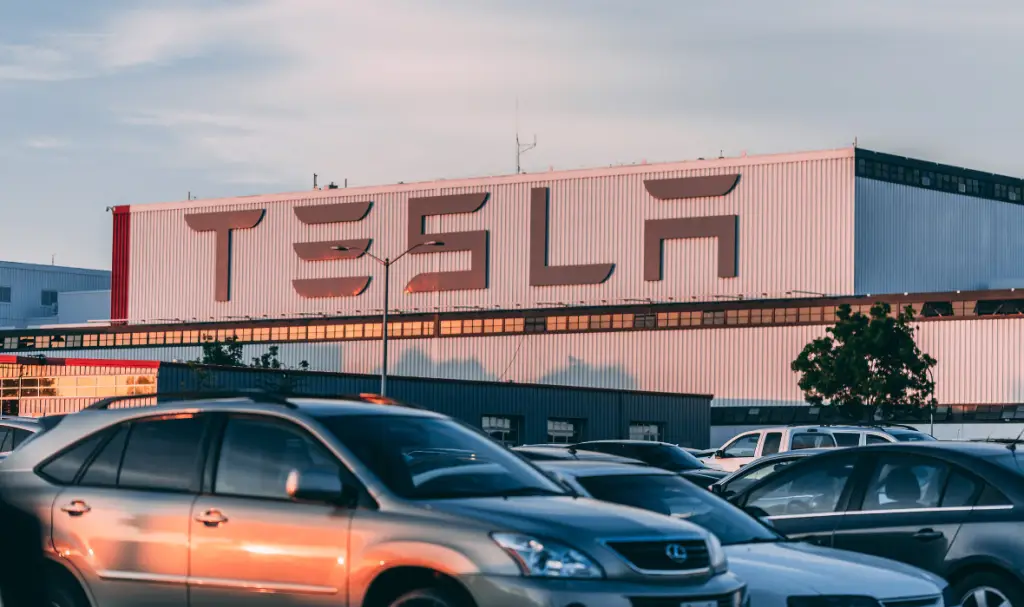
(120, 263)
(78, 362)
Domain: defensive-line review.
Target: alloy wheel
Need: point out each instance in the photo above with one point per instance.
(985, 596)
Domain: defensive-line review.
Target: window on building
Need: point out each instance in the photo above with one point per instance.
(506, 429)
(5, 295)
(49, 298)
(645, 431)
(567, 431)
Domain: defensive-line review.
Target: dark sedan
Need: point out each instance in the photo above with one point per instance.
(746, 476)
(955, 509)
(659, 455)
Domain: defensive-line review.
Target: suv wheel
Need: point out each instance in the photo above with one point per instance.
(989, 589)
(64, 592)
(431, 597)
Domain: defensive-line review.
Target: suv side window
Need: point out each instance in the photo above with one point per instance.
(874, 439)
(164, 454)
(742, 446)
(104, 468)
(811, 440)
(847, 439)
(64, 468)
(8, 441)
(813, 489)
(257, 455)
(19, 436)
(772, 442)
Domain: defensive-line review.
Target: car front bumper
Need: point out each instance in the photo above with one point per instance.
(499, 591)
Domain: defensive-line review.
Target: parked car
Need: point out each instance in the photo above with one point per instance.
(778, 572)
(548, 453)
(661, 455)
(753, 472)
(15, 430)
(953, 508)
(259, 499)
(748, 446)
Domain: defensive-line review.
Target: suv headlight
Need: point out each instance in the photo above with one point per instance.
(716, 555)
(832, 601)
(544, 558)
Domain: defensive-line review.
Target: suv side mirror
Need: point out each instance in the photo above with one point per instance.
(717, 489)
(316, 485)
(719, 453)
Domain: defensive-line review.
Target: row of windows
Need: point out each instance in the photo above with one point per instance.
(92, 386)
(935, 177)
(554, 323)
(508, 430)
(743, 416)
(46, 298)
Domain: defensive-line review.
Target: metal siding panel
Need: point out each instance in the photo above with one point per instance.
(28, 281)
(796, 233)
(979, 361)
(921, 241)
(747, 366)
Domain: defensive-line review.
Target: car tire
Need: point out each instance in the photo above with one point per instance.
(999, 590)
(429, 597)
(63, 590)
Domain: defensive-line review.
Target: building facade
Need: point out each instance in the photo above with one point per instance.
(702, 277)
(29, 293)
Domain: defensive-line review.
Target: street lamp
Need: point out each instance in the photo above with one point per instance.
(387, 263)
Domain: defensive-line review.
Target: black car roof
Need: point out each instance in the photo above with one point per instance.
(599, 468)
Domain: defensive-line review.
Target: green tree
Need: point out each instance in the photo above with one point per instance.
(227, 353)
(868, 367)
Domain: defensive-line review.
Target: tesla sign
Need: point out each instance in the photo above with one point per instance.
(723, 228)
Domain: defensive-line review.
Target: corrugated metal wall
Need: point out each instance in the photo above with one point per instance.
(921, 241)
(606, 414)
(795, 233)
(980, 361)
(28, 281)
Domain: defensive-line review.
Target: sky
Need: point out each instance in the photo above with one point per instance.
(112, 102)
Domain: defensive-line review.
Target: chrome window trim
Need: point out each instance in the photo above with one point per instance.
(778, 517)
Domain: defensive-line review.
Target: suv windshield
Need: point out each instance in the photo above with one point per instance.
(677, 497)
(421, 458)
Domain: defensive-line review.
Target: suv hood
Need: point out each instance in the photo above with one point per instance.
(565, 517)
(775, 571)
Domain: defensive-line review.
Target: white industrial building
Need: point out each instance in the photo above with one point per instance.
(700, 277)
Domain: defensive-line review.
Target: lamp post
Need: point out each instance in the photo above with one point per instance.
(387, 263)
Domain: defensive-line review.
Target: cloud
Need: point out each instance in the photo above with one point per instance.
(47, 143)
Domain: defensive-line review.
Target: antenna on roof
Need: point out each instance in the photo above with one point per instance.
(521, 148)
(314, 182)
(854, 142)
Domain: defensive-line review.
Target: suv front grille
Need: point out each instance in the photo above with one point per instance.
(926, 601)
(689, 555)
(724, 600)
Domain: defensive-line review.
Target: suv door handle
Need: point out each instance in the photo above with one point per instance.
(212, 518)
(76, 508)
(927, 535)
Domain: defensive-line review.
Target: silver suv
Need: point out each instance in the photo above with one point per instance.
(253, 499)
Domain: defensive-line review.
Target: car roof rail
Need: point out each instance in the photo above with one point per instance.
(252, 395)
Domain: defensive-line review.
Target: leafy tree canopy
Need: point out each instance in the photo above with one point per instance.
(867, 367)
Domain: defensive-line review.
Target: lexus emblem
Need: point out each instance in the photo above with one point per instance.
(676, 553)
